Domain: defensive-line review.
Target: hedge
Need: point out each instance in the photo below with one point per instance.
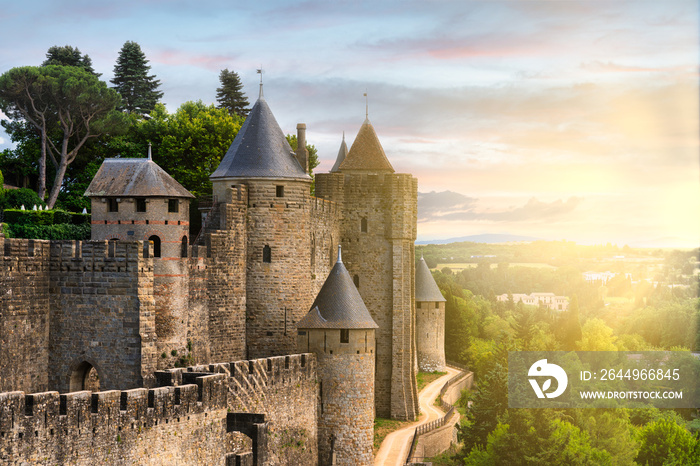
(60, 231)
(44, 217)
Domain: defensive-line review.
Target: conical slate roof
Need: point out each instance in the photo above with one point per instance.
(342, 153)
(366, 153)
(338, 304)
(260, 149)
(134, 178)
(426, 288)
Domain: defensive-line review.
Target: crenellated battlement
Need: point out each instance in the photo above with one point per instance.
(104, 419)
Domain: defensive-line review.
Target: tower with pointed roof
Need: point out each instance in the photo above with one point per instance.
(378, 231)
(430, 321)
(340, 331)
(277, 230)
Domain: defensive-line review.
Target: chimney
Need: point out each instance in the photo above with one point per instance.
(302, 154)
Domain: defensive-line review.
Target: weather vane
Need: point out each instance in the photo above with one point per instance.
(260, 72)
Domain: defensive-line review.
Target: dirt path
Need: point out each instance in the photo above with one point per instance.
(394, 448)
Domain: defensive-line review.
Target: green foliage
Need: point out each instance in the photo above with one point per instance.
(29, 217)
(85, 105)
(230, 95)
(68, 56)
(596, 336)
(16, 198)
(665, 442)
(57, 232)
(138, 89)
(189, 144)
(2, 183)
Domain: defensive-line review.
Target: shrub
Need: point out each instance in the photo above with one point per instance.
(62, 232)
(15, 198)
(29, 217)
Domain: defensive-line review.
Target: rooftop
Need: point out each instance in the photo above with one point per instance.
(134, 178)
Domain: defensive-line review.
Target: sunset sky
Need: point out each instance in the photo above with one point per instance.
(564, 119)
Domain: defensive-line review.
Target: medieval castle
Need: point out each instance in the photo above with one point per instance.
(275, 336)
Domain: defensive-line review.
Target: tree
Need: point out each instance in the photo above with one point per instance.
(67, 101)
(69, 56)
(188, 144)
(230, 95)
(666, 442)
(138, 89)
(24, 98)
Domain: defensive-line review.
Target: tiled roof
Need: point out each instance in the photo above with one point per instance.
(342, 153)
(260, 149)
(134, 178)
(338, 304)
(366, 153)
(426, 288)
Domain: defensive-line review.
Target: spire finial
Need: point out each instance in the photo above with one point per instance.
(340, 258)
(421, 255)
(149, 152)
(366, 106)
(260, 72)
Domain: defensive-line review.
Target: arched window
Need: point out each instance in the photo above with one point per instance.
(156, 245)
(183, 247)
(84, 377)
(267, 254)
(363, 225)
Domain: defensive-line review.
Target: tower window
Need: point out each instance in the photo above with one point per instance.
(437, 305)
(183, 247)
(279, 191)
(267, 254)
(156, 245)
(140, 204)
(363, 225)
(173, 205)
(113, 205)
(344, 335)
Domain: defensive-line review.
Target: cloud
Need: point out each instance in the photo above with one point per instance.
(211, 62)
(452, 206)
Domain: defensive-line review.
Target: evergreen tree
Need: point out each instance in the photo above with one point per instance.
(138, 89)
(230, 95)
(69, 56)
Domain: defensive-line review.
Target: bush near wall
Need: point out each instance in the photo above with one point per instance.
(15, 198)
(61, 231)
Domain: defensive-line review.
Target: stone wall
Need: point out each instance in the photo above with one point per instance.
(24, 315)
(325, 236)
(102, 313)
(378, 229)
(284, 389)
(430, 335)
(183, 425)
(279, 291)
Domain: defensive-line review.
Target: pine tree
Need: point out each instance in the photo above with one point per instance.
(139, 91)
(69, 56)
(230, 95)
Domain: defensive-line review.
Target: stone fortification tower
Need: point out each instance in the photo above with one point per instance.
(378, 231)
(136, 200)
(340, 330)
(278, 279)
(430, 321)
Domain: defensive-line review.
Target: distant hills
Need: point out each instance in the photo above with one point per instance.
(484, 238)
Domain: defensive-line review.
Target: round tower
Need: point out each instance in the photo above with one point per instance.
(136, 200)
(430, 321)
(278, 279)
(340, 331)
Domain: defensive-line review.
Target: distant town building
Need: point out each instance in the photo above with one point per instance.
(602, 277)
(549, 300)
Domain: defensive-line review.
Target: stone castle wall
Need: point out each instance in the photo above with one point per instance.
(24, 315)
(186, 421)
(102, 312)
(183, 425)
(325, 237)
(430, 335)
(378, 229)
(279, 291)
